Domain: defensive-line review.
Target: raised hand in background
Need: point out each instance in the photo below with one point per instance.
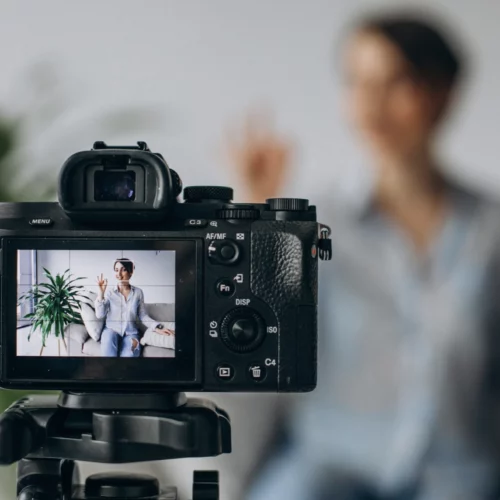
(260, 157)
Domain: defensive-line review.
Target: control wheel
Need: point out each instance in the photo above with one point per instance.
(288, 204)
(243, 329)
(245, 212)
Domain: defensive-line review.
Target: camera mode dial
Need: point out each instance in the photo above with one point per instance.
(193, 194)
(243, 329)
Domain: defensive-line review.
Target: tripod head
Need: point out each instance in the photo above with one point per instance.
(47, 434)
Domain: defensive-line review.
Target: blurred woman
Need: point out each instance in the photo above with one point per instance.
(404, 403)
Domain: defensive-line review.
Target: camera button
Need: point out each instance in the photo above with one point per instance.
(41, 222)
(244, 331)
(225, 371)
(257, 372)
(223, 252)
(227, 252)
(225, 288)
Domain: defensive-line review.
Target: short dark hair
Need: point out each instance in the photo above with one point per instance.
(126, 263)
(427, 46)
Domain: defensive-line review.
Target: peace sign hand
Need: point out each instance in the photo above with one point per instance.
(102, 283)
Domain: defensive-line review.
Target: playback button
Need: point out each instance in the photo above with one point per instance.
(225, 372)
(225, 288)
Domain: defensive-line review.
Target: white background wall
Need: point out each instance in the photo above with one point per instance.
(154, 270)
(201, 65)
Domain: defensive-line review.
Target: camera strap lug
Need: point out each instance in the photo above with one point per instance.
(324, 243)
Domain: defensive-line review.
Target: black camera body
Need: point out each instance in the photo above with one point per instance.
(210, 295)
(242, 285)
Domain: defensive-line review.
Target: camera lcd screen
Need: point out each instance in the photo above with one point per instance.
(102, 310)
(114, 185)
(96, 303)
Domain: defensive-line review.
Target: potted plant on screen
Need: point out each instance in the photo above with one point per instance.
(56, 304)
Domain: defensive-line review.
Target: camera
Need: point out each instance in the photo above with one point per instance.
(123, 287)
(123, 297)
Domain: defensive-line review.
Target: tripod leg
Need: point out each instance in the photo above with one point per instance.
(67, 471)
(38, 479)
(206, 485)
(34, 493)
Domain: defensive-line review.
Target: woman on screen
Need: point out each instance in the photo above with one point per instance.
(123, 306)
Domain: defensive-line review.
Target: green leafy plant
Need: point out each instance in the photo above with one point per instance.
(56, 305)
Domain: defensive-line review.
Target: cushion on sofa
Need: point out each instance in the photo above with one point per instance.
(157, 352)
(75, 348)
(92, 348)
(77, 333)
(154, 339)
(162, 313)
(94, 326)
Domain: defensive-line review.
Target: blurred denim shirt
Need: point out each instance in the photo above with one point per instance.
(405, 390)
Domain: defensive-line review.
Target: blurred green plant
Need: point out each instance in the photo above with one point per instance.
(9, 134)
(34, 141)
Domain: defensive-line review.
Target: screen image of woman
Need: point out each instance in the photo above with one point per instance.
(122, 306)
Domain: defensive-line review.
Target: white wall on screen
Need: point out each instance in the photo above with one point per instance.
(154, 270)
(25, 277)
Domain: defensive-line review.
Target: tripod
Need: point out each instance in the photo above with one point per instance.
(47, 434)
